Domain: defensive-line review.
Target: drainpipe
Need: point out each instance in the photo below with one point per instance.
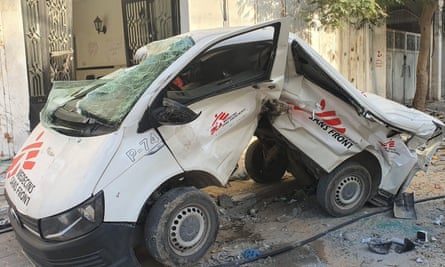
(184, 16)
(406, 74)
(225, 13)
(436, 55)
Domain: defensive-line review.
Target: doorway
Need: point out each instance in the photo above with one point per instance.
(402, 53)
(146, 21)
(49, 48)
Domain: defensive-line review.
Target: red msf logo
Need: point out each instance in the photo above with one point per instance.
(26, 157)
(390, 145)
(218, 122)
(328, 117)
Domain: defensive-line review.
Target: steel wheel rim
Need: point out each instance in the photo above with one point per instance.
(348, 191)
(188, 230)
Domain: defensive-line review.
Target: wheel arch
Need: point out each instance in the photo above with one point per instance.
(372, 164)
(181, 226)
(197, 179)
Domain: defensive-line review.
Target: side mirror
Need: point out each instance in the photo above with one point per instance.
(173, 113)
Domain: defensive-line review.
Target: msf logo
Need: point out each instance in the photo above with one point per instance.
(26, 157)
(325, 119)
(218, 122)
(389, 146)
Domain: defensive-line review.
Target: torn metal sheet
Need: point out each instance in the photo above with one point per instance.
(404, 206)
(379, 246)
(405, 246)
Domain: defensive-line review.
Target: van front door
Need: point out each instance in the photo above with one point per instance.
(226, 84)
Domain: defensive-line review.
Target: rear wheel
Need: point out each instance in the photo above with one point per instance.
(344, 190)
(181, 226)
(265, 163)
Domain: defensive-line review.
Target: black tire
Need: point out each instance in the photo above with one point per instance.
(181, 226)
(345, 190)
(265, 163)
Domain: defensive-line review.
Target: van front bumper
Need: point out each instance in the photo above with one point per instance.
(111, 244)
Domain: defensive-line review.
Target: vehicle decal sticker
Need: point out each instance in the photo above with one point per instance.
(26, 157)
(218, 122)
(147, 146)
(389, 146)
(396, 152)
(20, 183)
(328, 118)
(222, 119)
(22, 186)
(329, 122)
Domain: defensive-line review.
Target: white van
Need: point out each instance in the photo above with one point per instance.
(119, 161)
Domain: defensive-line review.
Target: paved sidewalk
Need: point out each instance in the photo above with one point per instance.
(10, 251)
(3, 204)
(3, 166)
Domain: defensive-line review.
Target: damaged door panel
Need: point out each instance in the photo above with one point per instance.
(331, 127)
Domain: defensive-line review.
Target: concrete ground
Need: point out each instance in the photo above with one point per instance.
(10, 250)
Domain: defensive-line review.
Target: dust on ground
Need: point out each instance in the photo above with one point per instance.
(261, 219)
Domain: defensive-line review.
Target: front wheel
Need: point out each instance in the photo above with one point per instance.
(265, 163)
(344, 190)
(181, 226)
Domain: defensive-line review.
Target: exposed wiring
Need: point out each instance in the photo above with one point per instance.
(315, 237)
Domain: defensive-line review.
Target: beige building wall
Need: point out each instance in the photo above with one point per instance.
(14, 96)
(211, 14)
(359, 55)
(96, 50)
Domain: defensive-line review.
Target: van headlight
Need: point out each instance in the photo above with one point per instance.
(76, 221)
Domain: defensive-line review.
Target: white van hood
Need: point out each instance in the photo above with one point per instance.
(54, 171)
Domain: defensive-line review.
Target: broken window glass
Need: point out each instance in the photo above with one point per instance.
(73, 104)
(221, 70)
(111, 102)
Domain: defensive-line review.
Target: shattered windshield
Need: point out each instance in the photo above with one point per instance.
(107, 101)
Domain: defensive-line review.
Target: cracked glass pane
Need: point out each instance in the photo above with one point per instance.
(72, 105)
(111, 102)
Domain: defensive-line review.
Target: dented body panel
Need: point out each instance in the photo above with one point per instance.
(331, 126)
